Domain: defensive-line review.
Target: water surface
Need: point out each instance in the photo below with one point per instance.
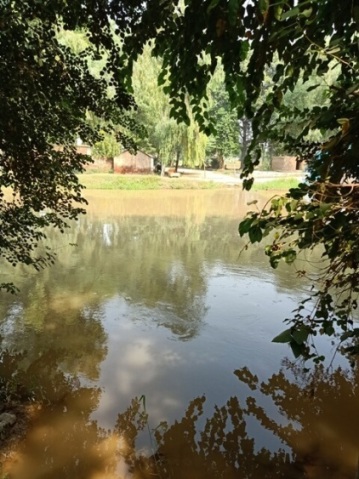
(148, 345)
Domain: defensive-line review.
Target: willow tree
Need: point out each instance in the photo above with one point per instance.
(168, 139)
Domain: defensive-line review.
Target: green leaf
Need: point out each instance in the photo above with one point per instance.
(329, 329)
(274, 261)
(300, 336)
(307, 13)
(290, 13)
(297, 349)
(255, 234)
(244, 226)
(290, 256)
(247, 183)
(283, 337)
(297, 193)
(244, 54)
(334, 50)
(278, 10)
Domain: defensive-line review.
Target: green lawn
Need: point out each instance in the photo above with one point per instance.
(276, 184)
(108, 181)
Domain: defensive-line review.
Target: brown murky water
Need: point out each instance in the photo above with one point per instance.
(149, 348)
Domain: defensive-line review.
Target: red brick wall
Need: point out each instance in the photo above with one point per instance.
(100, 165)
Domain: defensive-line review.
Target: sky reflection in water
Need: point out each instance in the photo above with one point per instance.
(155, 302)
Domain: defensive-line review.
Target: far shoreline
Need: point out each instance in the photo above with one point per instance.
(133, 182)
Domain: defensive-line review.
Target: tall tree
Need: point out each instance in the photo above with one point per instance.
(163, 133)
(224, 142)
(169, 140)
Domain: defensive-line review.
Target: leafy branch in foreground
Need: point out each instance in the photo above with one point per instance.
(300, 40)
(323, 211)
(46, 92)
(323, 215)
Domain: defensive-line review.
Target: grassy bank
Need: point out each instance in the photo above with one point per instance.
(279, 184)
(107, 181)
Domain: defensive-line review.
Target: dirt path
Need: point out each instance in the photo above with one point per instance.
(233, 178)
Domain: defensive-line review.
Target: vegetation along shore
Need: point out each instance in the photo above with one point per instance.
(107, 181)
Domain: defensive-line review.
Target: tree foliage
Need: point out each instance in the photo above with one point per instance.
(169, 140)
(300, 412)
(303, 38)
(224, 142)
(45, 92)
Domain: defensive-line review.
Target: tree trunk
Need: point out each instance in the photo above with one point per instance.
(245, 136)
(177, 160)
(220, 159)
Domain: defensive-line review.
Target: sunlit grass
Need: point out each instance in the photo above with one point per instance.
(276, 184)
(107, 181)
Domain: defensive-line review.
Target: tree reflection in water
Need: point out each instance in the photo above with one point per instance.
(320, 409)
(158, 267)
(319, 436)
(318, 430)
